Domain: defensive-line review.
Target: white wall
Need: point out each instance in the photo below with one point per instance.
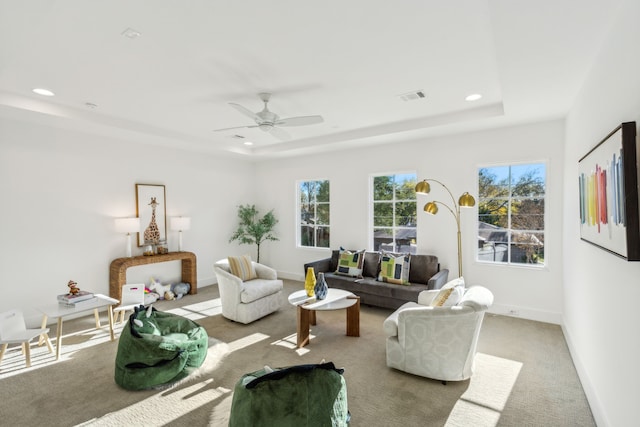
(60, 191)
(535, 293)
(601, 316)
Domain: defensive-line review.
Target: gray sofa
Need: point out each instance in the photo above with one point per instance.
(424, 274)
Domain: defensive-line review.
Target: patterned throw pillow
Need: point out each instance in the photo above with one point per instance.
(394, 268)
(350, 263)
(242, 267)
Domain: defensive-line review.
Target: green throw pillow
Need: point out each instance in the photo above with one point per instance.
(350, 263)
(394, 269)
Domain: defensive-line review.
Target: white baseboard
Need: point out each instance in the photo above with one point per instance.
(592, 396)
(527, 313)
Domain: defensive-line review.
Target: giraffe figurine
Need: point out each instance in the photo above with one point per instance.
(152, 233)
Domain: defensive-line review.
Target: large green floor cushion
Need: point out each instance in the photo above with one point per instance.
(158, 348)
(302, 395)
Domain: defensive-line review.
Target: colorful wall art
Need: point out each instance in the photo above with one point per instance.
(608, 190)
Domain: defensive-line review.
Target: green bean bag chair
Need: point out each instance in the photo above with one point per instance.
(303, 395)
(158, 348)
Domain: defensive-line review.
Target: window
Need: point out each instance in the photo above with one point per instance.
(313, 199)
(394, 213)
(511, 214)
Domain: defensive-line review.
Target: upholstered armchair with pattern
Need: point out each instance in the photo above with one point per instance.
(248, 290)
(437, 337)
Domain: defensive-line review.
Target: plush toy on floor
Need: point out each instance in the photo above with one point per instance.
(180, 289)
(164, 291)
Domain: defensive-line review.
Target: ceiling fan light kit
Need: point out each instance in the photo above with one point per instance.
(268, 121)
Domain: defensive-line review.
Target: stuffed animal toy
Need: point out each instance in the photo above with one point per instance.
(73, 287)
(163, 291)
(180, 289)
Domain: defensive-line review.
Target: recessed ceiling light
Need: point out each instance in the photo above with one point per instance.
(131, 33)
(473, 97)
(42, 91)
(248, 143)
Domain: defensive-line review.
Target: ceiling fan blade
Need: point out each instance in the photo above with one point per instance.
(280, 134)
(244, 111)
(235, 127)
(300, 121)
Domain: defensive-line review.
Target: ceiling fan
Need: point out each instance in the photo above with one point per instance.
(270, 122)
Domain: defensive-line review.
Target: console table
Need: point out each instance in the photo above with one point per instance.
(118, 270)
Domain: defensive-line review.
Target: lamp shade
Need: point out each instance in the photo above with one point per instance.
(127, 225)
(423, 187)
(431, 208)
(466, 200)
(180, 223)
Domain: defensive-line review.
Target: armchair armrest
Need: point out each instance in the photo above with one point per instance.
(438, 280)
(320, 266)
(265, 272)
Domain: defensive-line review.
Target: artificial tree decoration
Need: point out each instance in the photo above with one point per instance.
(252, 229)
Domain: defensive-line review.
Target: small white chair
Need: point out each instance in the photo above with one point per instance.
(132, 297)
(13, 330)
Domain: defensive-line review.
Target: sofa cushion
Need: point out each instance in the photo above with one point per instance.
(371, 264)
(259, 288)
(423, 267)
(350, 263)
(242, 267)
(394, 269)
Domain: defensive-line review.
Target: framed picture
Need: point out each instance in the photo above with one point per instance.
(151, 208)
(608, 189)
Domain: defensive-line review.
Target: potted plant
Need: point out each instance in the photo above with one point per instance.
(252, 229)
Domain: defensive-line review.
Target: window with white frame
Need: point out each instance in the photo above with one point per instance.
(393, 202)
(313, 213)
(511, 214)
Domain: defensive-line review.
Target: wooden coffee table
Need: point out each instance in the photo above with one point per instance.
(337, 299)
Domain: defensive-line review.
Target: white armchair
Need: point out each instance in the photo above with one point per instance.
(247, 301)
(437, 342)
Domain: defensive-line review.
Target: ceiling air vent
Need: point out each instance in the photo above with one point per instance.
(412, 96)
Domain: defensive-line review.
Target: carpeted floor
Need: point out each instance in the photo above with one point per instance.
(524, 375)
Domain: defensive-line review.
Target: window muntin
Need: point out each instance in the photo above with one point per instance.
(314, 213)
(394, 212)
(511, 214)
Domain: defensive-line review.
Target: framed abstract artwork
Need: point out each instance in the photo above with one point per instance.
(608, 190)
(151, 208)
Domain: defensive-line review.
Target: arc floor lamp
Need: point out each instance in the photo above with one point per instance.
(465, 201)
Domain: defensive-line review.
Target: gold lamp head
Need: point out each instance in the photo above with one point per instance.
(423, 187)
(466, 200)
(431, 208)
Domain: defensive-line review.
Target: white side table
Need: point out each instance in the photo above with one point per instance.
(59, 311)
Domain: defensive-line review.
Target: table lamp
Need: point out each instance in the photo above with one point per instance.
(180, 224)
(128, 225)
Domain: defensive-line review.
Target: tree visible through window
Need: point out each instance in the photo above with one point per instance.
(313, 199)
(394, 213)
(511, 214)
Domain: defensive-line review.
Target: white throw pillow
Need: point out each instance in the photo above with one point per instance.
(450, 294)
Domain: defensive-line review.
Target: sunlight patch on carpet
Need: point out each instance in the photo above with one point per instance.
(13, 362)
(199, 310)
(247, 341)
(163, 407)
(488, 392)
(291, 342)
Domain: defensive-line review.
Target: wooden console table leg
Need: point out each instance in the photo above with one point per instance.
(353, 318)
(303, 327)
